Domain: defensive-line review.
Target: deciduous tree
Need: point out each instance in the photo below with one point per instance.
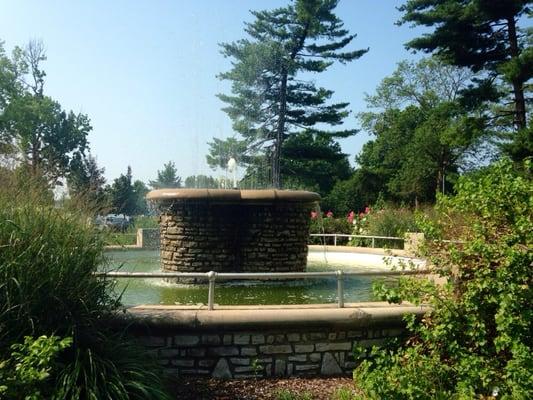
(483, 35)
(43, 137)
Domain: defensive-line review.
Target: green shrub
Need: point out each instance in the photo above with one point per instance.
(323, 225)
(476, 342)
(47, 259)
(391, 221)
(25, 374)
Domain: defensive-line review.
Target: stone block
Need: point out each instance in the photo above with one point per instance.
(293, 337)
(221, 370)
(306, 367)
(241, 339)
(196, 352)
(299, 357)
(258, 339)
(240, 361)
(304, 348)
(186, 340)
(223, 351)
(211, 339)
(182, 363)
(248, 351)
(345, 346)
(279, 367)
(276, 349)
(330, 366)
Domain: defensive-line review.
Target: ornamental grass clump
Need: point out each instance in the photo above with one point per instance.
(47, 288)
(476, 343)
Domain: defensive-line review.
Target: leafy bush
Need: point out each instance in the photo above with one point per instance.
(476, 342)
(47, 287)
(391, 221)
(330, 224)
(25, 373)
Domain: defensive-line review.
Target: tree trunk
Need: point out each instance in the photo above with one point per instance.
(518, 87)
(276, 168)
(280, 131)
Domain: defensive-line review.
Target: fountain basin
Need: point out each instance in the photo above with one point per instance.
(233, 230)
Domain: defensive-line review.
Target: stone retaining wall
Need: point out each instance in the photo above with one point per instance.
(246, 343)
(148, 238)
(198, 236)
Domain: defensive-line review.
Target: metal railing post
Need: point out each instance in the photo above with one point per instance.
(335, 240)
(212, 276)
(340, 288)
(373, 242)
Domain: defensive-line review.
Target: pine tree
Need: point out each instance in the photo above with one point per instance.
(167, 177)
(270, 100)
(483, 35)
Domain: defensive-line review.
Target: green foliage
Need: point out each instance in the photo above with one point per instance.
(201, 182)
(126, 197)
(167, 177)
(390, 221)
(329, 225)
(270, 100)
(313, 161)
(484, 36)
(286, 394)
(33, 127)
(86, 184)
(47, 262)
(25, 374)
(476, 341)
(355, 193)
(423, 135)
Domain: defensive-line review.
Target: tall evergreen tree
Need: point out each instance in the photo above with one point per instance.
(483, 35)
(122, 196)
(167, 177)
(270, 99)
(86, 181)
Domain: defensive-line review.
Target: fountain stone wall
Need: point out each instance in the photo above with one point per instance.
(233, 230)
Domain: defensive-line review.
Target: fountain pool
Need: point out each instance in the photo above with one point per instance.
(309, 291)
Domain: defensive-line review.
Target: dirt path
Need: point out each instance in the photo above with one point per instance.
(274, 389)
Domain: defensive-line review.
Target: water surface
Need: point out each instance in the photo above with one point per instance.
(308, 291)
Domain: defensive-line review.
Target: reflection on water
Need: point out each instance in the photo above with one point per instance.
(308, 291)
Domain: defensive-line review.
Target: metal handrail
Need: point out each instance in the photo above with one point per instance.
(335, 235)
(212, 276)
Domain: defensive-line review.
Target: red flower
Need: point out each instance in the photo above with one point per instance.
(314, 214)
(329, 214)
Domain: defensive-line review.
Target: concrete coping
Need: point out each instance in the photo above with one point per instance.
(260, 317)
(233, 196)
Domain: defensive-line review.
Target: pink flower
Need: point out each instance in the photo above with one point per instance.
(361, 215)
(367, 210)
(314, 214)
(329, 214)
(350, 217)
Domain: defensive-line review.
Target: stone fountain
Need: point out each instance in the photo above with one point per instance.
(231, 230)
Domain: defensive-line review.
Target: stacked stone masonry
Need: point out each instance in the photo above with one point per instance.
(198, 236)
(251, 354)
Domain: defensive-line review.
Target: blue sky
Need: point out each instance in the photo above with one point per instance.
(145, 71)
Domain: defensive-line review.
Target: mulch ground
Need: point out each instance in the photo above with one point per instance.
(275, 389)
